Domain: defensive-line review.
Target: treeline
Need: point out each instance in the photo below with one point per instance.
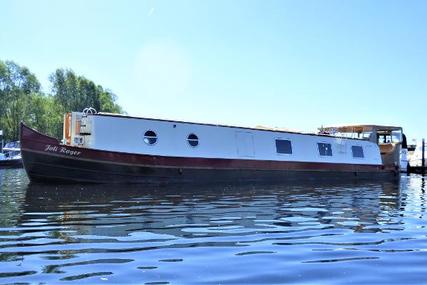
(21, 99)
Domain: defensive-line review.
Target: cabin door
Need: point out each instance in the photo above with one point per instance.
(245, 144)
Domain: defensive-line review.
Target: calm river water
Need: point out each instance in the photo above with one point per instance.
(293, 234)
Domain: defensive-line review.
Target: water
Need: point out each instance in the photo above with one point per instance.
(293, 234)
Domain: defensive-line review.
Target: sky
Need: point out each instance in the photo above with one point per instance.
(294, 64)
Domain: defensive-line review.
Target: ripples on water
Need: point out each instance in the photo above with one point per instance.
(300, 234)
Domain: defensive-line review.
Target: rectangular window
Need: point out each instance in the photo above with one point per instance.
(325, 149)
(357, 151)
(341, 146)
(283, 146)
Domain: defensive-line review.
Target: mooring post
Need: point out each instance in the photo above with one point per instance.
(423, 161)
(1, 140)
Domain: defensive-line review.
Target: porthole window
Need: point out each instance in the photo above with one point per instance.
(150, 137)
(193, 140)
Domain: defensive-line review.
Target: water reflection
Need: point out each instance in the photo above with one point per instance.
(13, 184)
(114, 211)
(297, 233)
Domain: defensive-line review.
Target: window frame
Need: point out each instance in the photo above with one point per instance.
(352, 151)
(192, 140)
(283, 139)
(144, 137)
(324, 155)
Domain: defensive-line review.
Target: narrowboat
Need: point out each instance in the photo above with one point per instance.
(111, 148)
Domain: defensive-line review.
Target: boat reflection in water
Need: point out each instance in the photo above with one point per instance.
(295, 233)
(161, 209)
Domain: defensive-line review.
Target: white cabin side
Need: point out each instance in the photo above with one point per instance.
(125, 134)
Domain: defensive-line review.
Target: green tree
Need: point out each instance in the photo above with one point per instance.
(74, 93)
(45, 115)
(22, 100)
(17, 86)
(107, 101)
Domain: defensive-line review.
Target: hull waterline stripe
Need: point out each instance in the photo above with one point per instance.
(372, 168)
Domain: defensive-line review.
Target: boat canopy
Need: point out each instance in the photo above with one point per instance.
(374, 133)
(12, 146)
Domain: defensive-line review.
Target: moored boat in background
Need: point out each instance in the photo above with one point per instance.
(416, 163)
(10, 156)
(110, 148)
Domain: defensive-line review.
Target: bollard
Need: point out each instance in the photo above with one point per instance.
(1, 140)
(423, 161)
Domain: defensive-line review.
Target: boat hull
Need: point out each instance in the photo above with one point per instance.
(11, 163)
(417, 169)
(46, 160)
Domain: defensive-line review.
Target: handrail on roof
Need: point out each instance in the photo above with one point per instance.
(360, 128)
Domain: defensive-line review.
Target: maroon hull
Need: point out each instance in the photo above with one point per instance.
(46, 160)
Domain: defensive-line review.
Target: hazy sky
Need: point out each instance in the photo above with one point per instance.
(293, 64)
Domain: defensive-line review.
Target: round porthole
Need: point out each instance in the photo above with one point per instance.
(193, 140)
(150, 137)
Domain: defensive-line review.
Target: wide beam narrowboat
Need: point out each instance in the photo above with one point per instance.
(111, 148)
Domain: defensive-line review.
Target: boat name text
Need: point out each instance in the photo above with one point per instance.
(61, 149)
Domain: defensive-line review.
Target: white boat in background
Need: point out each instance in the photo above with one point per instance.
(404, 160)
(416, 161)
(110, 148)
(10, 157)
